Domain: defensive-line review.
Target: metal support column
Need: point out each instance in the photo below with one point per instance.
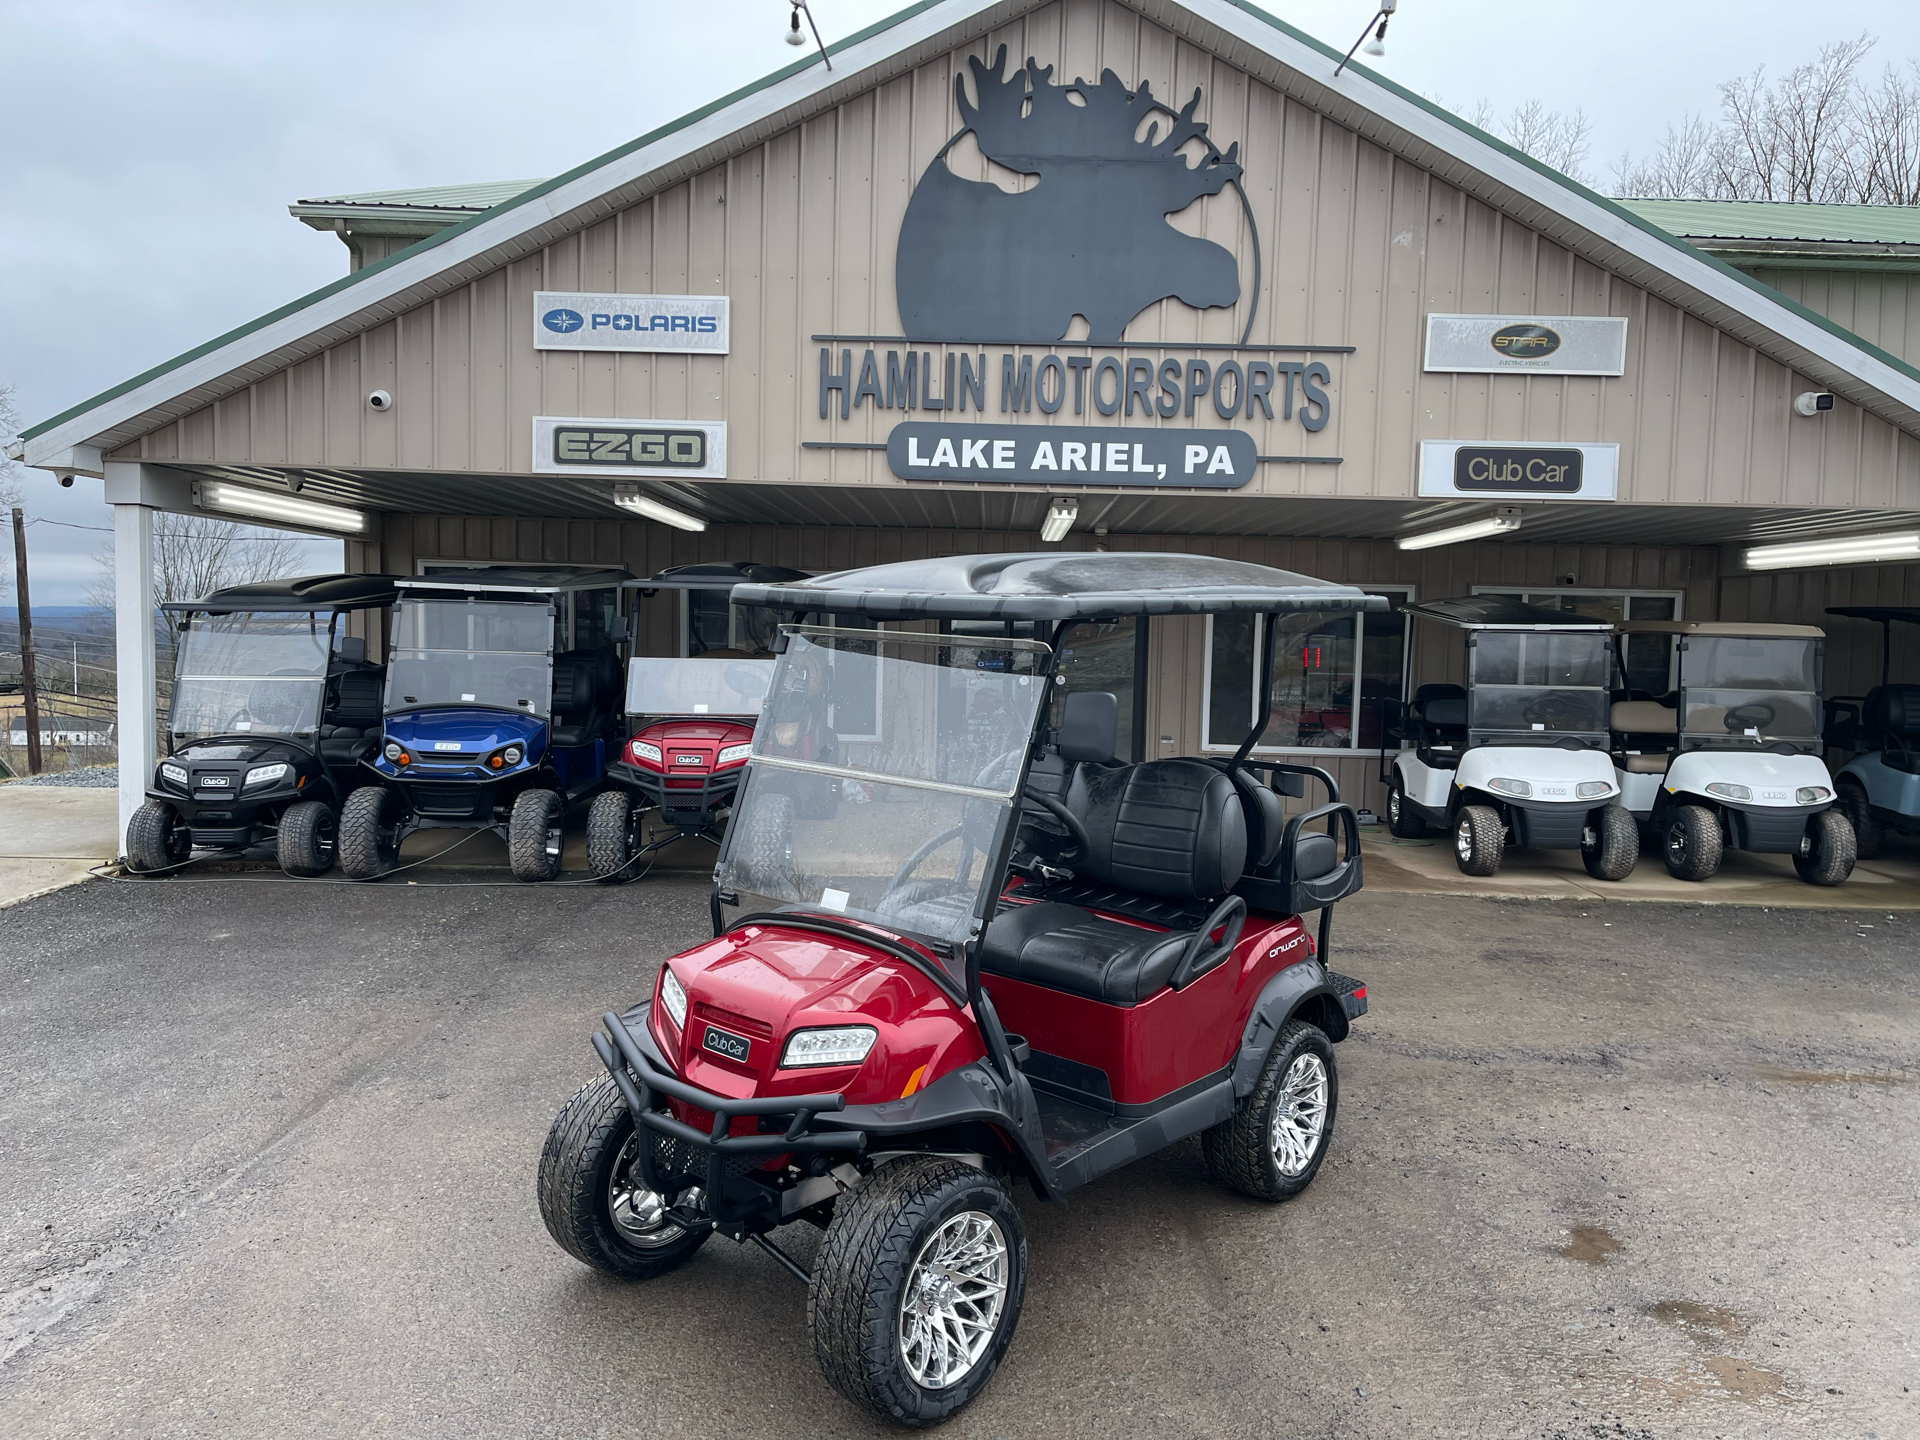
(133, 606)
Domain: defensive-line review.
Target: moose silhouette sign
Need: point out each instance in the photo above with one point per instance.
(977, 263)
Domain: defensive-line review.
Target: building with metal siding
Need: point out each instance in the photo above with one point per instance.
(1366, 210)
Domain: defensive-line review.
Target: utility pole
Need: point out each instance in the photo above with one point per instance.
(28, 692)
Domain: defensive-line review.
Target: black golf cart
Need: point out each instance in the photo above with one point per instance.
(274, 706)
(907, 1008)
(501, 709)
(690, 718)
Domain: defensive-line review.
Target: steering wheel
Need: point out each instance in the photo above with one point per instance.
(922, 851)
(1082, 845)
(745, 680)
(1755, 715)
(1551, 709)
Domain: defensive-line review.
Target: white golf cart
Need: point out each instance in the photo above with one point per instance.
(1880, 786)
(1731, 759)
(1518, 755)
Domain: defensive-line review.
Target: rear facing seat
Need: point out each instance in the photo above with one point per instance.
(1175, 830)
(1648, 727)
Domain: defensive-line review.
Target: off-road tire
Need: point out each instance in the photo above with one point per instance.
(609, 836)
(1479, 840)
(1869, 834)
(368, 848)
(158, 839)
(534, 813)
(764, 848)
(309, 838)
(1691, 843)
(1615, 845)
(1402, 823)
(1829, 861)
(577, 1164)
(855, 1297)
(1239, 1149)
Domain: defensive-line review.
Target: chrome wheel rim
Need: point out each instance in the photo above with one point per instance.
(1393, 806)
(955, 1292)
(1299, 1115)
(1677, 842)
(1463, 840)
(638, 1213)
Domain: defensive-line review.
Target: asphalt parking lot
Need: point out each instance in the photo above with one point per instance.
(1600, 1170)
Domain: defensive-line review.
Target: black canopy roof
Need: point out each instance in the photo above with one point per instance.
(1501, 612)
(718, 575)
(1055, 586)
(525, 579)
(1881, 613)
(305, 592)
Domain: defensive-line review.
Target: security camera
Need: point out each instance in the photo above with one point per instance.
(66, 482)
(380, 400)
(1813, 402)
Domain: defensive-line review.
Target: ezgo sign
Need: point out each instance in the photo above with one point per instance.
(659, 324)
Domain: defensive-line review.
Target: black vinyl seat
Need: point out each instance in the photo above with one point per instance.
(353, 713)
(580, 685)
(1891, 721)
(1173, 829)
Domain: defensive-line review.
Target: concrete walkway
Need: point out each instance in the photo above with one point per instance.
(1426, 867)
(51, 835)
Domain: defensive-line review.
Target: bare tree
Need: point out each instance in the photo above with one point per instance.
(1553, 137)
(193, 555)
(1819, 133)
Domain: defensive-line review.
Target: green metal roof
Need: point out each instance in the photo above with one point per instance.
(1782, 220)
(460, 198)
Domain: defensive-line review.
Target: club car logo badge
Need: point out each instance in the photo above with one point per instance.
(563, 321)
(1525, 342)
(724, 1042)
(215, 781)
(689, 760)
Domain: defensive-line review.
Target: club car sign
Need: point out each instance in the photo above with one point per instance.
(1519, 470)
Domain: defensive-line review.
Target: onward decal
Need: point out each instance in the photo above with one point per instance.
(1071, 455)
(1091, 238)
(569, 320)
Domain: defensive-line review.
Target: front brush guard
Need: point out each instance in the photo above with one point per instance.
(731, 1199)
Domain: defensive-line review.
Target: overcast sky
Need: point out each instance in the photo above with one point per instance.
(150, 147)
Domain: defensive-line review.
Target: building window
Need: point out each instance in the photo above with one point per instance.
(1333, 677)
(1647, 660)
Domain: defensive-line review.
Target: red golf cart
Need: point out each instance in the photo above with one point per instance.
(691, 719)
(971, 948)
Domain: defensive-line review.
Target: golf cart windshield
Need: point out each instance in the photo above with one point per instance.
(1749, 691)
(251, 674)
(696, 687)
(883, 769)
(497, 655)
(1537, 686)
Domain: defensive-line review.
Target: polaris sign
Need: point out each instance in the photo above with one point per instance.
(658, 324)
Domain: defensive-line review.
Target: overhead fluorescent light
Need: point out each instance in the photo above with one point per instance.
(271, 505)
(1847, 550)
(1453, 534)
(643, 504)
(1060, 517)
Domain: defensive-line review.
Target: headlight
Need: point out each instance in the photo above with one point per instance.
(645, 750)
(1510, 787)
(1812, 794)
(174, 773)
(512, 754)
(674, 998)
(845, 1045)
(265, 774)
(730, 753)
(1587, 789)
(393, 752)
(1729, 792)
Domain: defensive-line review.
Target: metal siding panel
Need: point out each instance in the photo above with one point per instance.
(379, 429)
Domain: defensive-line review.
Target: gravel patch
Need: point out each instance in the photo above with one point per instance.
(89, 777)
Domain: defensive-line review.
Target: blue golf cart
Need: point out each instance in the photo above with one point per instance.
(1879, 788)
(502, 710)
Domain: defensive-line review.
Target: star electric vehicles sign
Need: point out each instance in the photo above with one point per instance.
(657, 324)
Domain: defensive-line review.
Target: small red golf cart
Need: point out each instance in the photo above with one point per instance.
(691, 718)
(957, 945)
